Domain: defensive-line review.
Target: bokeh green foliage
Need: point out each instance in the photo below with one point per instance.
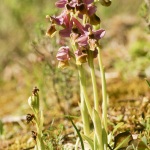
(145, 13)
(138, 60)
(18, 25)
(119, 7)
(23, 44)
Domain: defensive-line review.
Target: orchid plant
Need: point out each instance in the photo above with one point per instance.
(37, 118)
(79, 23)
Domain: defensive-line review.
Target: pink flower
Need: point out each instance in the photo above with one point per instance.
(88, 33)
(63, 53)
(72, 3)
(83, 6)
(64, 21)
(67, 24)
(59, 20)
(85, 9)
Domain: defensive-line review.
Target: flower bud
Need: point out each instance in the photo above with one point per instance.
(33, 100)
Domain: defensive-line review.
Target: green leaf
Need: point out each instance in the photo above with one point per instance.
(142, 146)
(122, 140)
(104, 138)
(98, 129)
(78, 132)
(117, 126)
(89, 140)
(144, 140)
(95, 142)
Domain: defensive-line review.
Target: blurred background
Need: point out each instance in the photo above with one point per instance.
(27, 56)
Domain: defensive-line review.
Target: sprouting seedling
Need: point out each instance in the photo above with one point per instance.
(33, 100)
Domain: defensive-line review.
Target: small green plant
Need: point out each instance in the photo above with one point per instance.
(53, 137)
(37, 118)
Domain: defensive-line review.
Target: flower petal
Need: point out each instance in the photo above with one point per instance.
(51, 30)
(99, 34)
(82, 40)
(78, 25)
(61, 3)
(59, 20)
(87, 27)
(88, 1)
(91, 10)
(63, 53)
(65, 32)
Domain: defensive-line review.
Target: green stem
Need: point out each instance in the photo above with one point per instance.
(85, 105)
(85, 116)
(84, 90)
(39, 125)
(95, 91)
(104, 93)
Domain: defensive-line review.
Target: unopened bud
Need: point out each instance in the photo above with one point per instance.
(33, 100)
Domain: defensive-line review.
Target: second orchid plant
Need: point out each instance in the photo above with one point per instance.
(79, 23)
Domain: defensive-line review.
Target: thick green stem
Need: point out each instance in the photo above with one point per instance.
(104, 92)
(95, 91)
(84, 90)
